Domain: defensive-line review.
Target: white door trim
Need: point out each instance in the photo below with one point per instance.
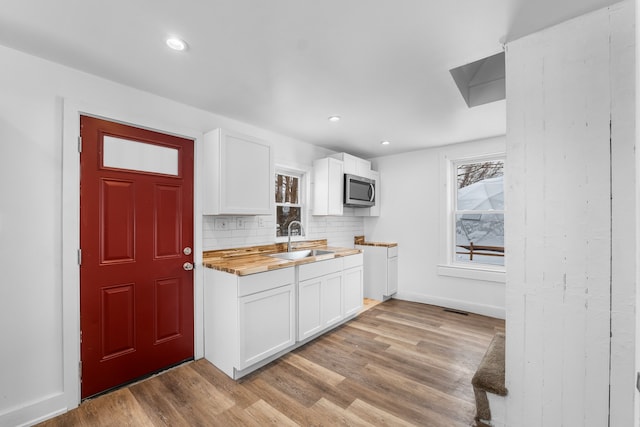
(71, 112)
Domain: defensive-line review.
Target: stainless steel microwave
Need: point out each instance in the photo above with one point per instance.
(359, 192)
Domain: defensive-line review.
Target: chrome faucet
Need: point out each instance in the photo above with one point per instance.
(289, 233)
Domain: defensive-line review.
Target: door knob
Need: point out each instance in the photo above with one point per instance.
(187, 266)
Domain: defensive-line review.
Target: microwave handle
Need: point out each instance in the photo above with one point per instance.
(372, 191)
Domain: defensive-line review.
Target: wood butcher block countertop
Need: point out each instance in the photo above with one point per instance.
(359, 240)
(256, 259)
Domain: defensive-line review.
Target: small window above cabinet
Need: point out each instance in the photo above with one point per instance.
(238, 174)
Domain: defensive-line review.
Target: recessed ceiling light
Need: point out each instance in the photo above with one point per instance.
(385, 143)
(334, 118)
(176, 44)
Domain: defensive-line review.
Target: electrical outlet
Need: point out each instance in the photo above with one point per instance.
(240, 223)
(221, 224)
(261, 222)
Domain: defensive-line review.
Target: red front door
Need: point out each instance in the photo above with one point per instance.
(136, 234)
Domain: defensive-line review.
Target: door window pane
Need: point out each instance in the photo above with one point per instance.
(125, 154)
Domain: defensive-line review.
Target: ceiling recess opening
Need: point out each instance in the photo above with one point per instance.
(481, 82)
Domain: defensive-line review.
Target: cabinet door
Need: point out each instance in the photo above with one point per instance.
(328, 187)
(238, 174)
(392, 275)
(266, 324)
(332, 302)
(353, 298)
(309, 313)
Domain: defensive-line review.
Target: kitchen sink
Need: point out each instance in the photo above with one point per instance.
(294, 255)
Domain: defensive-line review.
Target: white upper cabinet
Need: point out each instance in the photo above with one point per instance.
(354, 165)
(328, 184)
(328, 187)
(238, 174)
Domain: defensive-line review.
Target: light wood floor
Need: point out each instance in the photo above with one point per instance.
(398, 363)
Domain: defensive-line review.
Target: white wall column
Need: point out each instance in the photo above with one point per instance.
(570, 223)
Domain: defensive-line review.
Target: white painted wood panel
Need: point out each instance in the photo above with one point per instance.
(624, 253)
(559, 222)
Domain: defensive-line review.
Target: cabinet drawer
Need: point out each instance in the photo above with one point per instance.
(353, 261)
(259, 282)
(319, 268)
(392, 252)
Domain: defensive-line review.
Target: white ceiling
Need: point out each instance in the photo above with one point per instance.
(286, 65)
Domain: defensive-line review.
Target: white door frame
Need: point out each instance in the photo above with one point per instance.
(71, 232)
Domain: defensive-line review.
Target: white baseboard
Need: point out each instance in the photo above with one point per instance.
(471, 307)
(34, 413)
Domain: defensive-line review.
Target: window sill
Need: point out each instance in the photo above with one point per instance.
(488, 275)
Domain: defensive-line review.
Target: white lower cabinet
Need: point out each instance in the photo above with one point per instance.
(266, 323)
(319, 296)
(328, 293)
(380, 271)
(248, 318)
(319, 304)
(251, 320)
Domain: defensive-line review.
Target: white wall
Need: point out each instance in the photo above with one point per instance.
(571, 223)
(36, 362)
(412, 186)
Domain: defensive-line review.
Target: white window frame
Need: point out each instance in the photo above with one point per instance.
(303, 201)
(448, 266)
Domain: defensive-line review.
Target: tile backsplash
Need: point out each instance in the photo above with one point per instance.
(223, 232)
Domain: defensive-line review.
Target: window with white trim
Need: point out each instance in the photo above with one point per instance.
(478, 212)
(289, 200)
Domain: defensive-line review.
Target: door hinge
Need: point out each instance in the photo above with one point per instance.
(79, 256)
(79, 144)
(80, 369)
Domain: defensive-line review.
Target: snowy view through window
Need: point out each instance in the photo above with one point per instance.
(479, 213)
